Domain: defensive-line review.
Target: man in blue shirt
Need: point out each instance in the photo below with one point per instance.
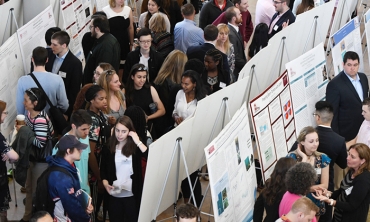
(186, 32)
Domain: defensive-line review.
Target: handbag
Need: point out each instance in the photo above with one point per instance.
(56, 115)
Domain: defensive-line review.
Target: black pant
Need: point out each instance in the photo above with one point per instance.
(186, 192)
(122, 207)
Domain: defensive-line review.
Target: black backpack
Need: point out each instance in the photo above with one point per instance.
(42, 199)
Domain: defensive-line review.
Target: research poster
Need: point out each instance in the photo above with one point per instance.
(232, 172)
(308, 80)
(100, 4)
(76, 16)
(348, 38)
(367, 31)
(32, 35)
(11, 69)
(273, 123)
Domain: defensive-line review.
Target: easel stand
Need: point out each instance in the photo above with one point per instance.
(10, 20)
(283, 49)
(313, 30)
(180, 153)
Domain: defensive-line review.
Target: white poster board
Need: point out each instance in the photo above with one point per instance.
(367, 31)
(347, 38)
(232, 175)
(273, 123)
(308, 80)
(100, 4)
(32, 35)
(11, 69)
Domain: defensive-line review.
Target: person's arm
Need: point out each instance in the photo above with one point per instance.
(40, 128)
(324, 180)
(258, 209)
(203, 16)
(239, 61)
(351, 142)
(333, 97)
(142, 20)
(341, 160)
(20, 97)
(62, 100)
(220, 19)
(130, 30)
(160, 108)
(175, 115)
(139, 144)
(93, 138)
(248, 28)
(73, 84)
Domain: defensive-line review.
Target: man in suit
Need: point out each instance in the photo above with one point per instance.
(210, 39)
(331, 143)
(66, 65)
(282, 18)
(234, 19)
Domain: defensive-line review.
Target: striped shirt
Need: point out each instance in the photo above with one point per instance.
(41, 125)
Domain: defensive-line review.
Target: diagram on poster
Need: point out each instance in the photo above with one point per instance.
(273, 122)
(308, 80)
(348, 38)
(232, 171)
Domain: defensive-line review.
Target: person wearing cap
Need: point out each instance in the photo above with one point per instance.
(65, 189)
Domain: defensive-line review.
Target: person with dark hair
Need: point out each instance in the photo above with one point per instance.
(121, 24)
(41, 216)
(64, 63)
(106, 48)
(214, 76)
(211, 10)
(308, 141)
(282, 18)
(162, 40)
(7, 153)
(52, 84)
(352, 199)
(186, 33)
(298, 181)
(121, 171)
(138, 118)
(196, 65)
(145, 55)
(245, 26)
(80, 100)
(210, 40)
(154, 6)
(187, 212)
(303, 210)
(259, 40)
(38, 121)
(304, 6)
(173, 11)
(234, 18)
(270, 197)
(88, 41)
(64, 188)
(48, 35)
(140, 93)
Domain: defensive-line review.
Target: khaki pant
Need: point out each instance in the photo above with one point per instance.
(33, 173)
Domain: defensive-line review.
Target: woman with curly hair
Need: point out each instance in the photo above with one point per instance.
(298, 181)
(270, 197)
(351, 200)
(308, 141)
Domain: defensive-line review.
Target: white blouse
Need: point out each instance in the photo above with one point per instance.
(182, 108)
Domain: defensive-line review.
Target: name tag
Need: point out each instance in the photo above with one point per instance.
(318, 171)
(222, 85)
(276, 27)
(349, 190)
(62, 74)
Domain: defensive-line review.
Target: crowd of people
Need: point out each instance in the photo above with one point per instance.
(143, 78)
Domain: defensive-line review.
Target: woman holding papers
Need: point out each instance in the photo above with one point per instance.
(121, 171)
(352, 200)
(308, 141)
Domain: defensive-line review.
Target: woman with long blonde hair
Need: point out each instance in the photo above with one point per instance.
(223, 44)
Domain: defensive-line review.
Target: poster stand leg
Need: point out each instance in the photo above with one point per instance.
(252, 74)
(180, 153)
(313, 30)
(283, 49)
(9, 22)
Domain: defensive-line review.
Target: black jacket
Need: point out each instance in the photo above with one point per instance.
(210, 12)
(155, 62)
(288, 15)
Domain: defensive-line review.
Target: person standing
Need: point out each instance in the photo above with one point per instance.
(105, 49)
(211, 10)
(282, 18)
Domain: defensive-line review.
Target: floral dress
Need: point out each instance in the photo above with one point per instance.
(4, 188)
(321, 161)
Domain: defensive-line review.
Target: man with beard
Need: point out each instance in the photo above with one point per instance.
(282, 18)
(234, 19)
(105, 49)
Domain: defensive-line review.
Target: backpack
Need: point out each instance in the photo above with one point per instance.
(42, 200)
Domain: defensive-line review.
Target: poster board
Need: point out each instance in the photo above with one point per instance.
(100, 4)
(308, 80)
(347, 38)
(367, 31)
(32, 35)
(11, 69)
(273, 123)
(232, 175)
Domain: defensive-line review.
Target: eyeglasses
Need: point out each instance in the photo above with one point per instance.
(5, 112)
(30, 91)
(276, 2)
(142, 68)
(315, 114)
(145, 41)
(97, 73)
(91, 26)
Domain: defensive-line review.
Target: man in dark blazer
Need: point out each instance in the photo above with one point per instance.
(346, 92)
(331, 143)
(234, 18)
(66, 65)
(199, 51)
(282, 18)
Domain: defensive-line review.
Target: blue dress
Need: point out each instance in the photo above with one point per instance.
(4, 188)
(321, 161)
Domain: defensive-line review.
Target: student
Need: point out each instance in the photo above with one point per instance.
(187, 213)
(41, 216)
(302, 210)
(65, 190)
